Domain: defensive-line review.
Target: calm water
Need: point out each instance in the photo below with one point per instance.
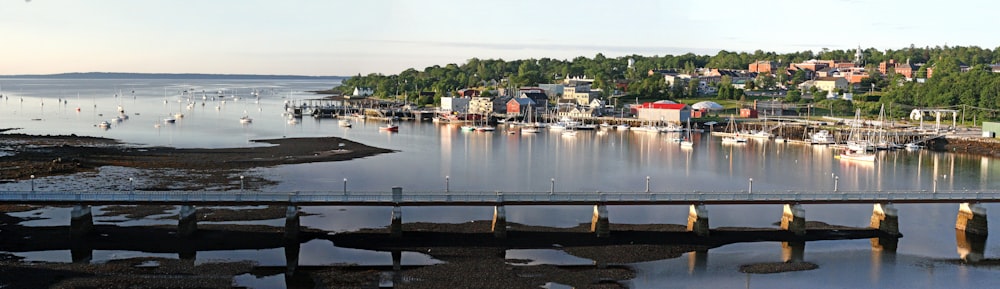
(471, 161)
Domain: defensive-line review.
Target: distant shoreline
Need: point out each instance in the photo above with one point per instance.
(129, 75)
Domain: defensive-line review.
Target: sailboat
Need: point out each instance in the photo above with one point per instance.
(734, 136)
(780, 138)
(529, 126)
(245, 119)
(343, 121)
(857, 150)
(687, 143)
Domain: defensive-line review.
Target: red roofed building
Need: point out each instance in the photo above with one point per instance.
(664, 112)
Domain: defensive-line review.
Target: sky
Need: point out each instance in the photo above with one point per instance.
(343, 38)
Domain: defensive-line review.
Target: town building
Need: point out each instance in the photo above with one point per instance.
(762, 66)
(579, 92)
(481, 105)
(904, 69)
(361, 92)
(825, 84)
(540, 100)
(664, 112)
(468, 93)
(455, 104)
(519, 106)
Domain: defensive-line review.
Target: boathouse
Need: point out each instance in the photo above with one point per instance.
(669, 112)
(517, 106)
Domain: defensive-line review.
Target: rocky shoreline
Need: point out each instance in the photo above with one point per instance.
(43, 156)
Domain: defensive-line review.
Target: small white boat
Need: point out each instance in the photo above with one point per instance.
(623, 126)
(779, 139)
(569, 133)
(486, 128)
(246, 120)
(169, 120)
(822, 137)
(857, 156)
(734, 139)
(343, 122)
(529, 129)
(912, 147)
(104, 125)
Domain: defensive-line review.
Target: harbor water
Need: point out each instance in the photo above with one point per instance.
(436, 157)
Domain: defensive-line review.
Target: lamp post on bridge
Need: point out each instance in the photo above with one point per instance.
(241, 183)
(447, 184)
(345, 186)
(750, 189)
(552, 189)
(836, 179)
(647, 184)
(32, 183)
(131, 184)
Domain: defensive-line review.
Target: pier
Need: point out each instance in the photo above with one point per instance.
(971, 217)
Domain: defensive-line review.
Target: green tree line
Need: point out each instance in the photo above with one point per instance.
(948, 86)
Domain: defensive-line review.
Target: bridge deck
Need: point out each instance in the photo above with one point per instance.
(339, 198)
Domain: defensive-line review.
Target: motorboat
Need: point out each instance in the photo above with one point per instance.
(246, 119)
(389, 126)
(822, 137)
(344, 122)
(856, 155)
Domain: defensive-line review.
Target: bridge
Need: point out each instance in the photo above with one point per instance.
(971, 216)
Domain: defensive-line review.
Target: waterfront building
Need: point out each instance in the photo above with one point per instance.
(668, 112)
(455, 104)
(516, 106)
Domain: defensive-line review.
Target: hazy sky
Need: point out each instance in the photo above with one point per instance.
(335, 37)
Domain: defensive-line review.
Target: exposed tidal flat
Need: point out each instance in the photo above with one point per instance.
(429, 157)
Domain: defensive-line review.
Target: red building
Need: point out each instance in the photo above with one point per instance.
(518, 106)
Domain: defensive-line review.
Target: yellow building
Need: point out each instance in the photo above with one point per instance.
(830, 83)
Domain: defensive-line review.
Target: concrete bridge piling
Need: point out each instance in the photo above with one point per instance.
(972, 219)
(698, 220)
(81, 220)
(292, 223)
(599, 224)
(396, 225)
(793, 219)
(499, 225)
(187, 222)
(885, 218)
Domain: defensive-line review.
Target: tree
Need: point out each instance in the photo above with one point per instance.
(793, 95)
(766, 80)
(692, 87)
(798, 77)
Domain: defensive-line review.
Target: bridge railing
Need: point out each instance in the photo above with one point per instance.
(334, 197)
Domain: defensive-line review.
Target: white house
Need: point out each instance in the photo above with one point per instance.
(455, 104)
(362, 92)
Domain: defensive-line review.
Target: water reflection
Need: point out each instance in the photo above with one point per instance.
(971, 247)
(697, 262)
(793, 251)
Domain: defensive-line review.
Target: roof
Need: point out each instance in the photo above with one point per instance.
(535, 95)
(829, 78)
(522, 101)
(674, 106)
